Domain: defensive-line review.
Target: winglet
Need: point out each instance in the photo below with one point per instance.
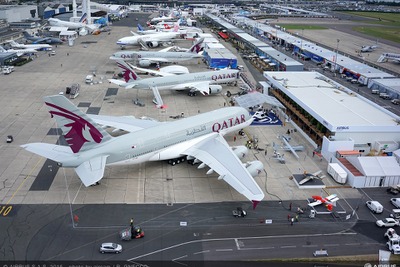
(255, 203)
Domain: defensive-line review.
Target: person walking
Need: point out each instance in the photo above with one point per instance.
(291, 221)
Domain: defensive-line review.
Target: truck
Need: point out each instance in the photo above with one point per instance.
(133, 232)
(393, 242)
(337, 173)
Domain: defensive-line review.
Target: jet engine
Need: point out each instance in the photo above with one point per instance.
(215, 89)
(144, 63)
(152, 44)
(240, 151)
(254, 167)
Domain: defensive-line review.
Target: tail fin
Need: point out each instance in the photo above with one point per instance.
(196, 48)
(167, 27)
(176, 28)
(80, 132)
(128, 73)
(140, 28)
(26, 35)
(2, 50)
(83, 19)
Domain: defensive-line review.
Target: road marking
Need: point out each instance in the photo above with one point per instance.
(256, 248)
(352, 244)
(25, 179)
(288, 246)
(200, 252)
(309, 246)
(224, 249)
(331, 245)
(184, 256)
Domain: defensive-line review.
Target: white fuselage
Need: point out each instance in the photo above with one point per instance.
(153, 56)
(33, 46)
(157, 37)
(61, 23)
(186, 81)
(167, 140)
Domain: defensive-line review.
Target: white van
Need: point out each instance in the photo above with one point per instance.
(375, 91)
(374, 206)
(395, 202)
(89, 79)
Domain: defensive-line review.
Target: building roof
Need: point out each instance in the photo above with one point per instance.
(377, 166)
(337, 107)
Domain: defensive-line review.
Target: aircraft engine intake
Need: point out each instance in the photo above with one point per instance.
(240, 151)
(254, 167)
(144, 63)
(215, 89)
(152, 44)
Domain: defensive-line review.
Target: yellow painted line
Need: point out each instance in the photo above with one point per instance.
(19, 187)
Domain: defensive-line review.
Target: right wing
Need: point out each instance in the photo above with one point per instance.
(315, 203)
(215, 152)
(122, 83)
(156, 72)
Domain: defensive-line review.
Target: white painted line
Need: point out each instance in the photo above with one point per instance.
(288, 246)
(331, 245)
(309, 246)
(257, 248)
(184, 256)
(352, 244)
(224, 249)
(237, 244)
(200, 252)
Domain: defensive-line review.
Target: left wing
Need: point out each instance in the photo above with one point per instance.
(157, 60)
(315, 203)
(129, 124)
(332, 198)
(215, 152)
(160, 73)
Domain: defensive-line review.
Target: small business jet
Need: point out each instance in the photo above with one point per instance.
(198, 138)
(329, 201)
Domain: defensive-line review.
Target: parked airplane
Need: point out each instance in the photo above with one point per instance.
(30, 46)
(368, 48)
(206, 83)
(329, 201)
(141, 30)
(19, 52)
(41, 40)
(147, 40)
(146, 58)
(197, 138)
(389, 56)
(69, 24)
(311, 176)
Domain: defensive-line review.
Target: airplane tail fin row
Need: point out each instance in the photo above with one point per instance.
(80, 131)
(140, 28)
(83, 19)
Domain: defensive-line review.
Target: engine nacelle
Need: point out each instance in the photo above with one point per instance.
(215, 89)
(240, 151)
(152, 44)
(144, 63)
(254, 167)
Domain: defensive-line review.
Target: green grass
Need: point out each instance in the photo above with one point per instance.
(391, 34)
(301, 27)
(385, 17)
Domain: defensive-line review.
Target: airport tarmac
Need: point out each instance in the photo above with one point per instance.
(25, 176)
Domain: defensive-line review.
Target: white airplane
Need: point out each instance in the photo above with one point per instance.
(146, 58)
(30, 46)
(311, 176)
(368, 48)
(197, 138)
(69, 24)
(19, 52)
(147, 40)
(389, 56)
(329, 201)
(206, 83)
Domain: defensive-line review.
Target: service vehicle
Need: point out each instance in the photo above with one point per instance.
(130, 233)
(395, 213)
(387, 222)
(374, 206)
(395, 202)
(138, 102)
(239, 212)
(394, 189)
(89, 79)
(110, 248)
(393, 241)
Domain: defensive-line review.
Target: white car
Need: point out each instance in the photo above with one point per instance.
(387, 222)
(110, 248)
(395, 202)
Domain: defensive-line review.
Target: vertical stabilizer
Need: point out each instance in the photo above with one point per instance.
(80, 132)
(127, 72)
(196, 48)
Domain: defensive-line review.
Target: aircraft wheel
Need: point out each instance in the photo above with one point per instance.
(183, 159)
(173, 163)
(178, 161)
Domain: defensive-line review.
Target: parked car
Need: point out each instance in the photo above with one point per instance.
(387, 222)
(374, 206)
(138, 102)
(110, 248)
(395, 202)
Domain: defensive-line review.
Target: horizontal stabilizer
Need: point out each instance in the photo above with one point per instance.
(92, 171)
(54, 152)
(117, 82)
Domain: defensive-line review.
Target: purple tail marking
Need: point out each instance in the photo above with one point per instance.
(127, 73)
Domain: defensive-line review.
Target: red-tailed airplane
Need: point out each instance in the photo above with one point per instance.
(329, 201)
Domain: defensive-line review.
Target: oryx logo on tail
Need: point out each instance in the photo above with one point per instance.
(127, 73)
(81, 131)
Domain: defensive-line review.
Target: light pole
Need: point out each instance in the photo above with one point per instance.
(337, 49)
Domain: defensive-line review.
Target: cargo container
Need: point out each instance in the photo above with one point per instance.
(337, 172)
